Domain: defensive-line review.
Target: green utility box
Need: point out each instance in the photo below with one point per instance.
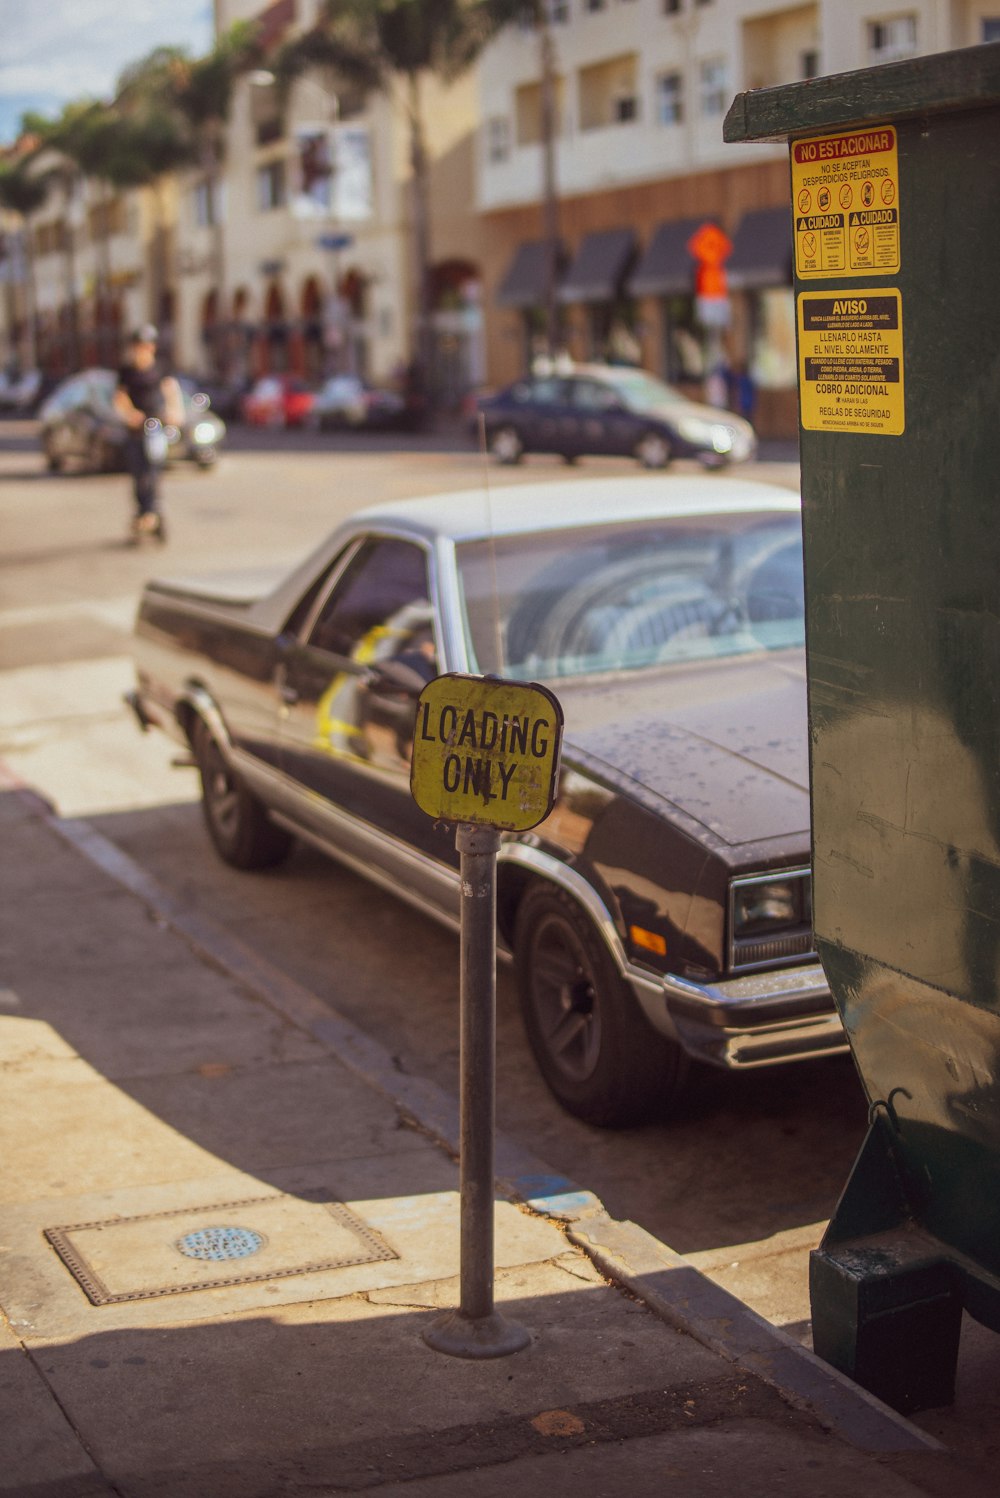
(896, 249)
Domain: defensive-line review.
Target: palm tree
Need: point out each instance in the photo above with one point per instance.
(380, 45)
(189, 101)
(23, 193)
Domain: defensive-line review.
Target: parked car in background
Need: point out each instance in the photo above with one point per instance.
(617, 411)
(345, 401)
(279, 400)
(80, 426)
(662, 911)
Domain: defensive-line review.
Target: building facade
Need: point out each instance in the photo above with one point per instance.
(297, 255)
(641, 90)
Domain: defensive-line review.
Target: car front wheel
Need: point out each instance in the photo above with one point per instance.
(506, 446)
(653, 450)
(242, 833)
(597, 1052)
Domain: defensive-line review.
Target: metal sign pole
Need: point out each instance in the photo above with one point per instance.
(485, 757)
(477, 1329)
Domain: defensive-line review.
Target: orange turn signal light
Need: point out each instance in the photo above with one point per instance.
(651, 940)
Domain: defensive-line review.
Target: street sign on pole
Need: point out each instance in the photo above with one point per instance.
(485, 755)
(486, 751)
(334, 241)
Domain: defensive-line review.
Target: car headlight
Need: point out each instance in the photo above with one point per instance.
(695, 431)
(756, 906)
(770, 918)
(203, 432)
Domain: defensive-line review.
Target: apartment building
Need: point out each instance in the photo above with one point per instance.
(304, 260)
(641, 91)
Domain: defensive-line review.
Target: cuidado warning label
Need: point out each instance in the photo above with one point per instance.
(851, 362)
(845, 200)
(486, 751)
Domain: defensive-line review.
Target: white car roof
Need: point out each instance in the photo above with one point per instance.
(515, 509)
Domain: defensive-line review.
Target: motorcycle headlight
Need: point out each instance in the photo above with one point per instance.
(203, 432)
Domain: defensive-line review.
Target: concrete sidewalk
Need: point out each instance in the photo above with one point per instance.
(227, 1218)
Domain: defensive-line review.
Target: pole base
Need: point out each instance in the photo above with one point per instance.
(462, 1336)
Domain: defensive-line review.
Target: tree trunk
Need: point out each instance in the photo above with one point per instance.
(424, 340)
(550, 199)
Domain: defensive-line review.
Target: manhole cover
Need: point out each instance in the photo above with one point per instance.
(221, 1243)
(173, 1252)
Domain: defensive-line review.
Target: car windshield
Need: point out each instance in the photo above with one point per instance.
(641, 392)
(620, 597)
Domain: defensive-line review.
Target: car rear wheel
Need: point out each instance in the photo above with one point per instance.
(242, 833)
(597, 1052)
(506, 446)
(653, 450)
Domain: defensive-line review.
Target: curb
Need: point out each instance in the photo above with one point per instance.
(668, 1284)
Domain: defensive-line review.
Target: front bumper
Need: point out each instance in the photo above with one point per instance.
(762, 1019)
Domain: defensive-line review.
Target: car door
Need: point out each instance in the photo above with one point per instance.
(348, 686)
(604, 425)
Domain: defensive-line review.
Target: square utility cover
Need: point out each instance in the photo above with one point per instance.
(230, 1243)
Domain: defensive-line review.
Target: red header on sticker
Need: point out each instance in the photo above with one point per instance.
(836, 147)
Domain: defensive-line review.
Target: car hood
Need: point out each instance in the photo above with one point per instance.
(724, 743)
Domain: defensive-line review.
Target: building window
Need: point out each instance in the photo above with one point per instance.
(888, 41)
(991, 31)
(271, 186)
(608, 92)
(497, 138)
(528, 112)
(671, 7)
(669, 99)
(205, 215)
(558, 11)
(809, 63)
(595, 4)
(715, 89)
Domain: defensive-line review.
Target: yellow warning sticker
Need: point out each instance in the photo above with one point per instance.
(851, 362)
(845, 202)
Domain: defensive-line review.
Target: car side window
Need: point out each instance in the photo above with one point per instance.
(547, 392)
(590, 395)
(380, 597)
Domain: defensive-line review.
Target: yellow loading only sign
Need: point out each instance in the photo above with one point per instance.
(845, 201)
(486, 751)
(851, 362)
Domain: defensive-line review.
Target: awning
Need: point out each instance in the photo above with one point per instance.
(762, 250)
(597, 269)
(524, 283)
(665, 267)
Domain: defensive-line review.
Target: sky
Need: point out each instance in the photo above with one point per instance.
(52, 51)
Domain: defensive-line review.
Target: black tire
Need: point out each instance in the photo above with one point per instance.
(653, 450)
(242, 833)
(506, 445)
(599, 1055)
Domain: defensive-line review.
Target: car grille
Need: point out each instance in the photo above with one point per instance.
(766, 950)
